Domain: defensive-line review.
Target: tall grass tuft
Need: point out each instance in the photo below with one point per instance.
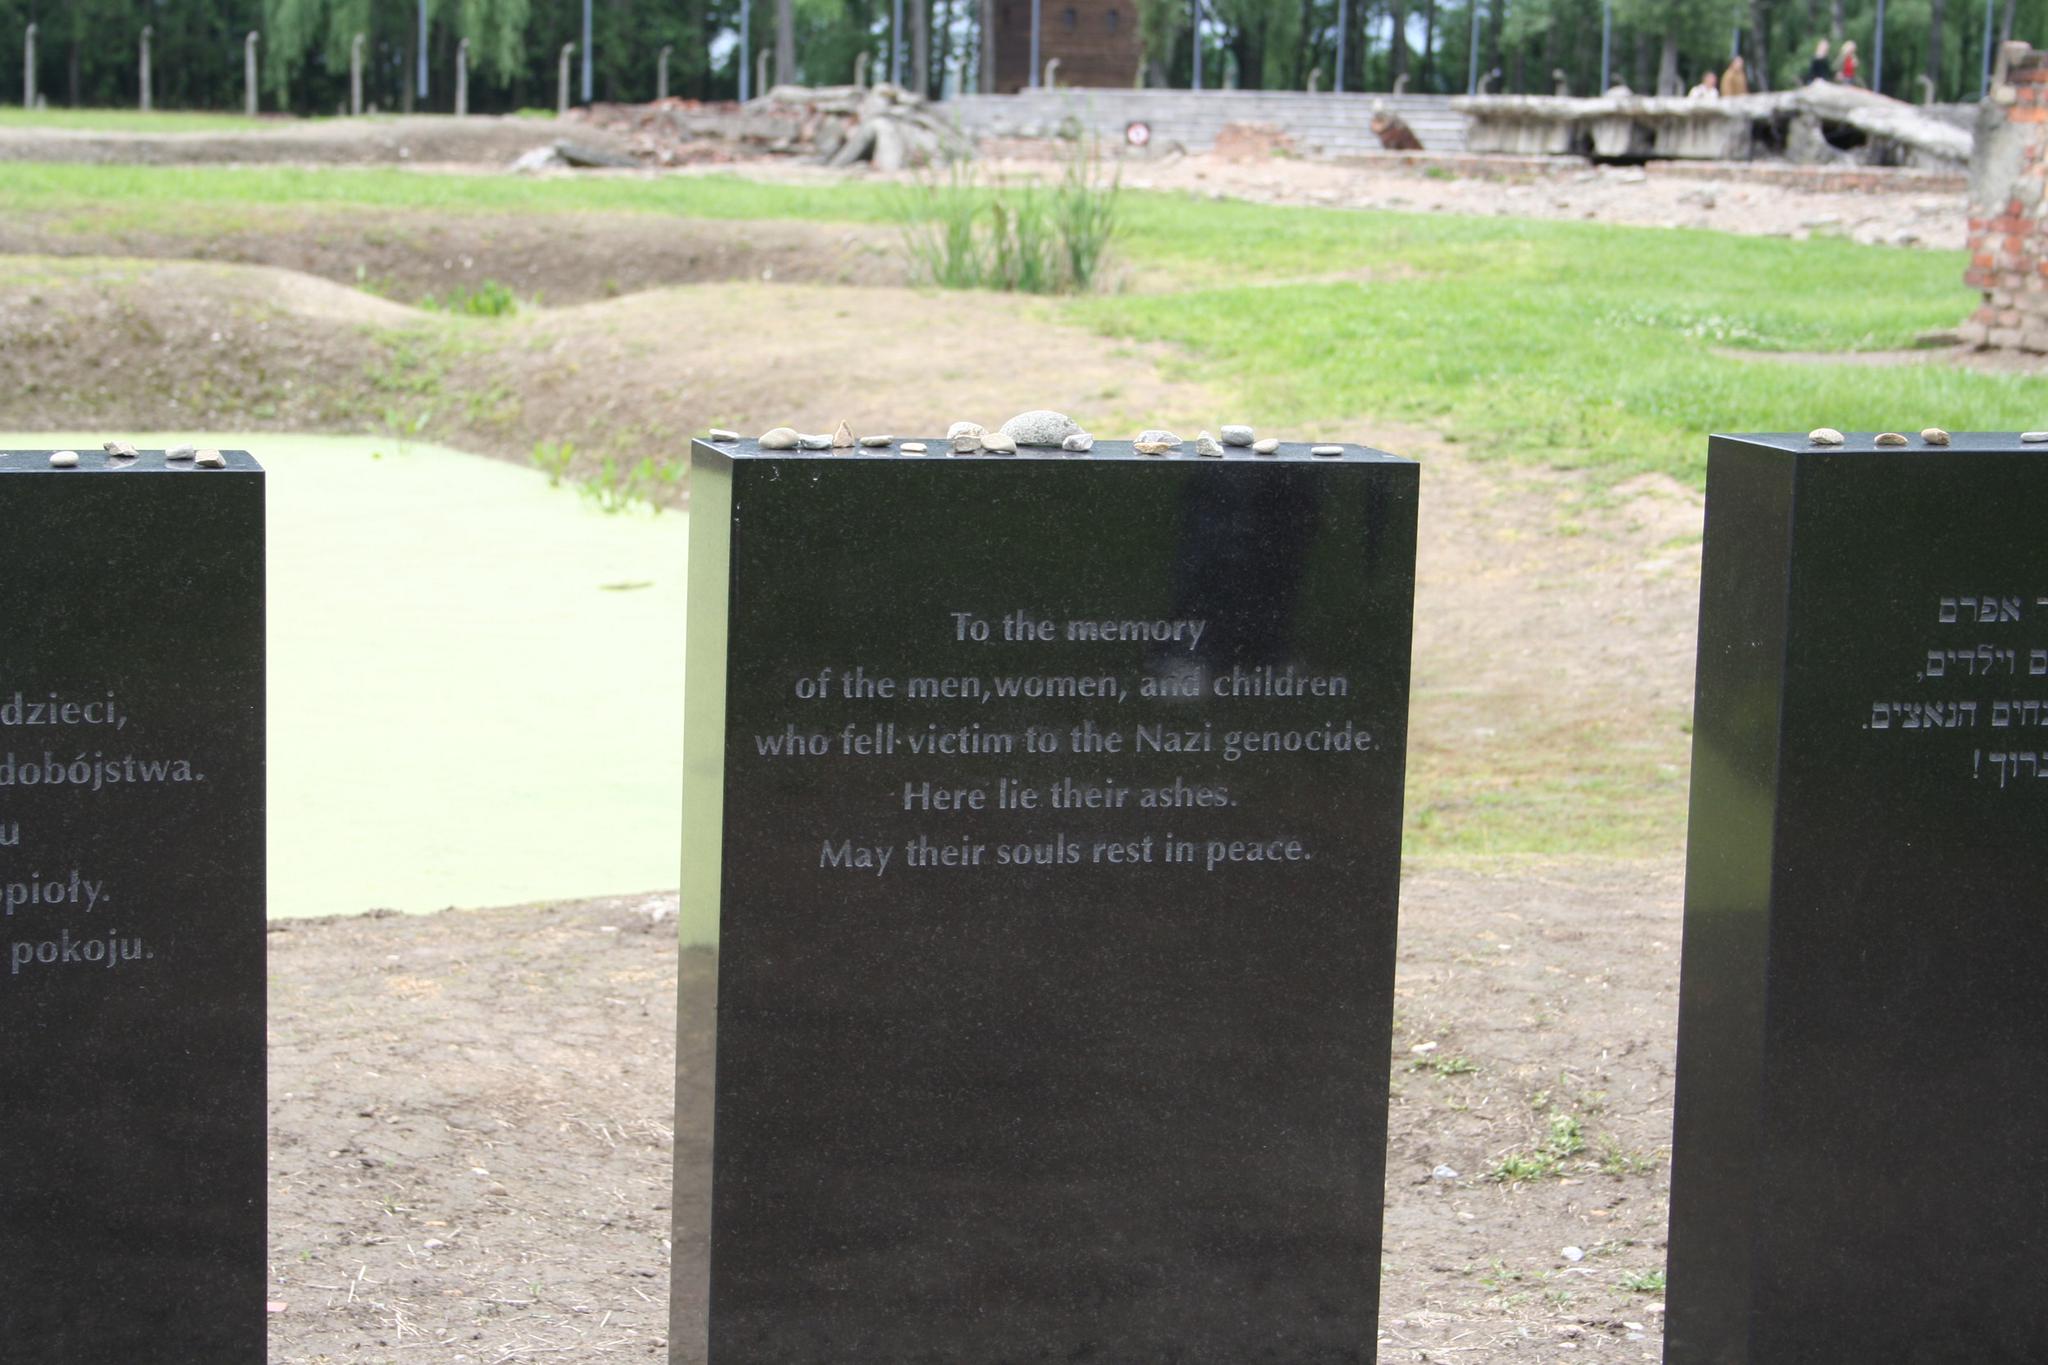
(1084, 213)
(964, 233)
(488, 300)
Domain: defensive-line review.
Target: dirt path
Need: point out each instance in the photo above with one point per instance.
(473, 1121)
(1552, 696)
(1606, 194)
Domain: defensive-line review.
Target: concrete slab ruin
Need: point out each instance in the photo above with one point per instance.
(1817, 124)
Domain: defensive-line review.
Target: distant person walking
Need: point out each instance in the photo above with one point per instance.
(1820, 68)
(1707, 89)
(1849, 62)
(1735, 80)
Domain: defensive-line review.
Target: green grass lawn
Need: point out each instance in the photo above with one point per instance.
(133, 121)
(1572, 343)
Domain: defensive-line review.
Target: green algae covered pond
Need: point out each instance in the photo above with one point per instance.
(475, 680)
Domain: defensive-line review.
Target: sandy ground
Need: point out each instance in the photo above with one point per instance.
(474, 1117)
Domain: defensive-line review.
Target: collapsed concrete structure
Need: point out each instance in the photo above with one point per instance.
(1815, 124)
(884, 125)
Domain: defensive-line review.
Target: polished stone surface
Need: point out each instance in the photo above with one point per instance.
(1031, 1069)
(1863, 1030)
(131, 912)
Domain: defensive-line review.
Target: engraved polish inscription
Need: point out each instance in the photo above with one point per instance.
(57, 914)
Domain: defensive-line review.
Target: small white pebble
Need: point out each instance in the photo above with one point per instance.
(1889, 438)
(1080, 443)
(210, 459)
(121, 450)
(2034, 436)
(1326, 450)
(1934, 436)
(721, 434)
(181, 452)
(876, 440)
(1266, 446)
(912, 447)
(64, 459)
(1573, 1254)
(1824, 436)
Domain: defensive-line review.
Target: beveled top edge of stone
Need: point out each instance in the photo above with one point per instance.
(1865, 443)
(938, 451)
(97, 461)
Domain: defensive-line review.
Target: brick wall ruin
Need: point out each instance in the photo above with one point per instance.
(2008, 219)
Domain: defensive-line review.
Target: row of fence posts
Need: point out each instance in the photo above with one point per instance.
(32, 97)
(355, 73)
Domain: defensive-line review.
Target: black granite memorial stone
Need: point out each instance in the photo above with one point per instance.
(1051, 808)
(132, 1130)
(1863, 1028)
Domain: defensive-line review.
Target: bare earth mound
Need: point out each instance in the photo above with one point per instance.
(637, 375)
(143, 345)
(472, 1124)
(553, 259)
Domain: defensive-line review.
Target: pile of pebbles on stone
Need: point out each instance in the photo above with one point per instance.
(1040, 428)
(123, 454)
(1933, 436)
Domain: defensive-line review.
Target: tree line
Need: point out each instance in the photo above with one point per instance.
(87, 50)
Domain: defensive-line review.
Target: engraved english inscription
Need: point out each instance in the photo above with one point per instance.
(1184, 792)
